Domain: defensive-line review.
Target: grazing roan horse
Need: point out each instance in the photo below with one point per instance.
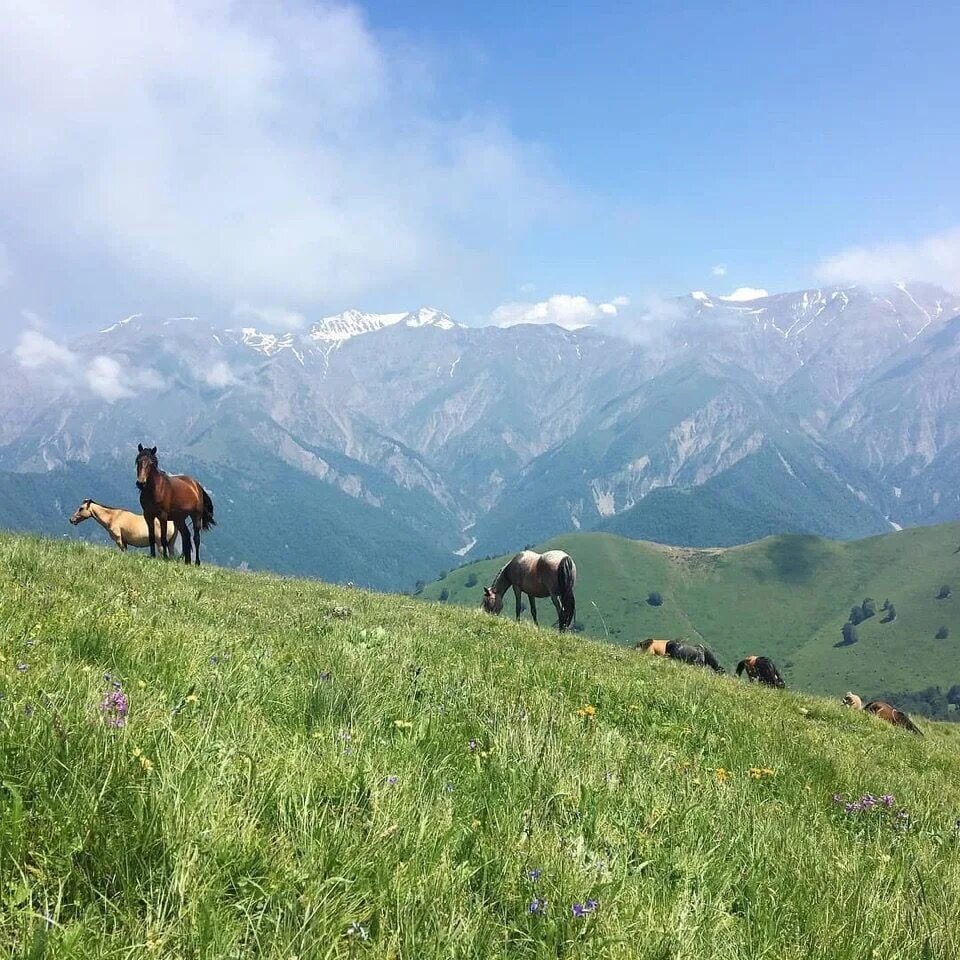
(695, 653)
(552, 574)
(126, 529)
(883, 710)
(657, 647)
(166, 497)
(762, 670)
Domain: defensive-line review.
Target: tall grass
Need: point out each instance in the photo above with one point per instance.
(306, 772)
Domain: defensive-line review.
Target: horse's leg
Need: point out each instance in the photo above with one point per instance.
(519, 597)
(163, 536)
(197, 521)
(151, 532)
(184, 532)
(533, 609)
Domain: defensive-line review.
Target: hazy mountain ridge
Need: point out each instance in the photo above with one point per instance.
(841, 400)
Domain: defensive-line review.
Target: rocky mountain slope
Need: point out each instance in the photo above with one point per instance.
(417, 440)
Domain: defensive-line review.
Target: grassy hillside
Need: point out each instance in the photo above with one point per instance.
(787, 597)
(305, 771)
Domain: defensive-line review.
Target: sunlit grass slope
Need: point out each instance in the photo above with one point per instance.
(787, 597)
(304, 771)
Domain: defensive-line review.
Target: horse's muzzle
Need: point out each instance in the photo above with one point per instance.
(74, 521)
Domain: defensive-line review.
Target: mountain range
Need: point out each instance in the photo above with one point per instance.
(380, 448)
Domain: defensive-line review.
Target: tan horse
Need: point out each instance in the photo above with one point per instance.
(883, 710)
(126, 529)
(552, 574)
(657, 647)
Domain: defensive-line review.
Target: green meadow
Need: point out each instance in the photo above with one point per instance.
(301, 771)
(787, 597)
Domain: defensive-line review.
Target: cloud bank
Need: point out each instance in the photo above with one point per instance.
(934, 259)
(103, 376)
(273, 154)
(563, 309)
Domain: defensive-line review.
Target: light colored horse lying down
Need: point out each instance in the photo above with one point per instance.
(126, 529)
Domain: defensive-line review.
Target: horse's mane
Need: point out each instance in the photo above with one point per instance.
(501, 575)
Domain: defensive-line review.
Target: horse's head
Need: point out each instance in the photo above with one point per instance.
(852, 700)
(82, 513)
(146, 464)
(491, 602)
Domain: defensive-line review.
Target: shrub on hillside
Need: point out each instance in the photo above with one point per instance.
(856, 615)
(869, 608)
(444, 595)
(418, 588)
(471, 580)
(943, 633)
(953, 695)
(943, 593)
(891, 614)
(443, 575)
(850, 635)
(654, 599)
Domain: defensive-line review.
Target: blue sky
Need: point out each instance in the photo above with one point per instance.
(277, 164)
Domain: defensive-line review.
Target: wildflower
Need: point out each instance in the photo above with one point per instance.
(191, 698)
(146, 764)
(888, 800)
(21, 667)
(356, 932)
(759, 773)
(587, 712)
(393, 779)
(472, 744)
(537, 906)
(722, 775)
(402, 724)
(584, 909)
(534, 874)
(142, 684)
(114, 708)
(609, 776)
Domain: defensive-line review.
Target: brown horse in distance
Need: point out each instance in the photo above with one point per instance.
(883, 710)
(552, 574)
(167, 497)
(761, 669)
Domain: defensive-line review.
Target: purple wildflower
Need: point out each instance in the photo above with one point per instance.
(392, 779)
(537, 905)
(888, 800)
(838, 798)
(584, 909)
(534, 874)
(114, 708)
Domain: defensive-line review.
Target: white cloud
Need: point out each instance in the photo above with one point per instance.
(742, 294)
(271, 153)
(104, 376)
(528, 288)
(272, 318)
(34, 350)
(220, 375)
(934, 259)
(571, 312)
(719, 270)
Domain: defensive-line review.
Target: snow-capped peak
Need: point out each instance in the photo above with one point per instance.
(268, 343)
(353, 323)
(746, 294)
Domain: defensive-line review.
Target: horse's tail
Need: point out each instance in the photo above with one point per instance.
(207, 520)
(568, 603)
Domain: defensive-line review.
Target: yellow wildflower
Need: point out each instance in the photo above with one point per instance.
(722, 775)
(142, 684)
(402, 724)
(759, 773)
(587, 712)
(191, 698)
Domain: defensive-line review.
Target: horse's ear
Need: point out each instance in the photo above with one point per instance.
(153, 450)
(487, 591)
(139, 448)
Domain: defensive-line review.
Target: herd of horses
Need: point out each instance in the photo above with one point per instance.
(554, 574)
(168, 501)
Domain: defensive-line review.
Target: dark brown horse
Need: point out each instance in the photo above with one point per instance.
(165, 497)
(883, 710)
(695, 653)
(552, 574)
(762, 670)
